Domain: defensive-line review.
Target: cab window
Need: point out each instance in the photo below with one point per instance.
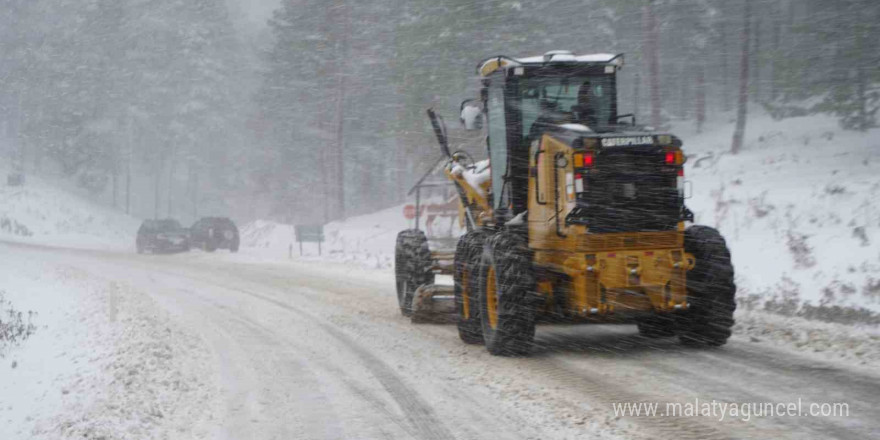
(497, 141)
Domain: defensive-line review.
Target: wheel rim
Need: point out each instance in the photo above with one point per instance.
(492, 299)
(465, 300)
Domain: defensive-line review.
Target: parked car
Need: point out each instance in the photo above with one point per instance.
(212, 233)
(165, 235)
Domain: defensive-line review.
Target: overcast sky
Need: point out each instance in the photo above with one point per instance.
(252, 13)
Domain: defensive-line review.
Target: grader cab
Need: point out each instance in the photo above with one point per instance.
(582, 218)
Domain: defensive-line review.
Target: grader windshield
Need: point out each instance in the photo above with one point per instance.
(586, 100)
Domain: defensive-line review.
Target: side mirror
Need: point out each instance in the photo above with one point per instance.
(471, 115)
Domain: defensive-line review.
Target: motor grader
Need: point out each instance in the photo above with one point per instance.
(583, 217)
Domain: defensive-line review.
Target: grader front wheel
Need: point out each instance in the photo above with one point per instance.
(505, 286)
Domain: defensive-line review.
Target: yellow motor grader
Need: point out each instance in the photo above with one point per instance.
(582, 216)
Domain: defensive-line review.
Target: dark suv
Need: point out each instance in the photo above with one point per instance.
(162, 236)
(212, 233)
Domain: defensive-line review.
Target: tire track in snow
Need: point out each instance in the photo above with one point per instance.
(732, 374)
(377, 403)
(600, 389)
(418, 413)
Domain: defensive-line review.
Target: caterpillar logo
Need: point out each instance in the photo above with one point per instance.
(627, 141)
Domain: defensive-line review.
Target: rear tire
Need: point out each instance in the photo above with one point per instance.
(412, 266)
(468, 253)
(711, 290)
(234, 247)
(505, 287)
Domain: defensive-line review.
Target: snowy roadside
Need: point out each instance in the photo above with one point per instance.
(105, 361)
(365, 241)
(856, 345)
(40, 212)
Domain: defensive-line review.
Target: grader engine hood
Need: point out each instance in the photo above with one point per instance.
(625, 182)
(629, 189)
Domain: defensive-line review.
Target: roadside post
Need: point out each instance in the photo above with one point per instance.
(309, 234)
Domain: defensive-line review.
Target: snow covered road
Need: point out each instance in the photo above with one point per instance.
(313, 350)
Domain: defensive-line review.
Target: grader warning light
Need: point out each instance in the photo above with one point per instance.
(583, 160)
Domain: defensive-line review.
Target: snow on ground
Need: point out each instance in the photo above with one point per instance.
(856, 345)
(105, 360)
(41, 213)
(799, 206)
(796, 206)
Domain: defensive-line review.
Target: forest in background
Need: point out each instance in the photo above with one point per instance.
(160, 107)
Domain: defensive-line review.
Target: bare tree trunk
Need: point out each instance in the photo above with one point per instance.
(157, 174)
(115, 177)
(650, 43)
(398, 170)
(38, 148)
(684, 94)
(193, 185)
(325, 157)
(793, 77)
(342, 56)
(195, 196)
(725, 71)
(776, 23)
(171, 171)
(128, 166)
(861, 81)
(19, 163)
(340, 147)
(757, 60)
(701, 96)
(741, 114)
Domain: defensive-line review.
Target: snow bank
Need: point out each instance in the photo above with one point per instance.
(41, 213)
(855, 345)
(366, 240)
(798, 206)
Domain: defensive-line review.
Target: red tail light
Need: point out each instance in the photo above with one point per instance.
(670, 158)
(588, 160)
